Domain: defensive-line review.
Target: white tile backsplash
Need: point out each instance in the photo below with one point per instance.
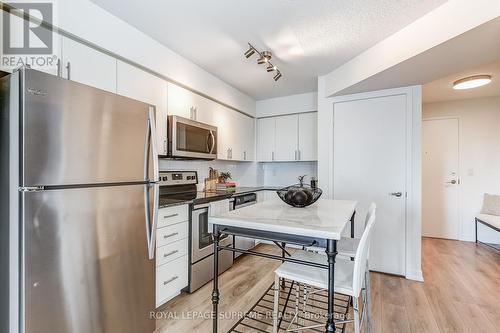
(248, 173)
(286, 173)
(244, 173)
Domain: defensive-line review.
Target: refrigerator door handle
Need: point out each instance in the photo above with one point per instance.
(151, 223)
(154, 142)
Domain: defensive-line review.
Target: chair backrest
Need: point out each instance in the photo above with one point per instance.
(371, 211)
(361, 256)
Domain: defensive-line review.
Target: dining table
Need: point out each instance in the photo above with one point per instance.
(319, 225)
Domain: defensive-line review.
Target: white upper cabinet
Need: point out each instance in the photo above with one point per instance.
(187, 104)
(85, 65)
(308, 137)
(266, 133)
(248, 134)
(140, 85)
(287, 138)
(287, 129)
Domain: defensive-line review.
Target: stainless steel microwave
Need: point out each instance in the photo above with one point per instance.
(191, 139)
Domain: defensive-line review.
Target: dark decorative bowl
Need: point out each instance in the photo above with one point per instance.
(299, 195)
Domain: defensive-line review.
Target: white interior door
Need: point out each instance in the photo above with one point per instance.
(440, 183)
(369, 164)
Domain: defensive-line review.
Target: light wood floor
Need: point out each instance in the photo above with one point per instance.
(461, 293)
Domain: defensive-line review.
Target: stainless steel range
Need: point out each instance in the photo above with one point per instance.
(180, 186)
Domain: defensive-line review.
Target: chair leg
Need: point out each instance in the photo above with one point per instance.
(276, 303)
(368, 303)
(355, 302)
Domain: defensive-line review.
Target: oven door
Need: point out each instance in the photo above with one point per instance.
(191, 139)
(202, 244)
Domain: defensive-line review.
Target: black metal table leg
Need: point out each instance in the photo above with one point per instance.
(331, 252)
(215, 291)
(352, 224)
(283, 253)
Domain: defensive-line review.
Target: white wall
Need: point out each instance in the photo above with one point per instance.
(287, 104)
(93, 24)
(479, 142)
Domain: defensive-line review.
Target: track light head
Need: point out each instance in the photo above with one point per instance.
(270, 68)
(265, 56)
(250, 52)
(277, 76)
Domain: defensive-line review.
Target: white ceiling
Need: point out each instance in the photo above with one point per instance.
(442, 90)
(307, 37)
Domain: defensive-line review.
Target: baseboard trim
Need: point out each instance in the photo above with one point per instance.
(415, 276)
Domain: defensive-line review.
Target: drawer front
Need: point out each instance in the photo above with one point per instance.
(171, 215)
(170, 279)
(172, 233)
(171, 251)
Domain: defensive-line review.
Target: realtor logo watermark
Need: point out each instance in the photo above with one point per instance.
(27, 35)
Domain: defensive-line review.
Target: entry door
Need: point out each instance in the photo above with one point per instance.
(440, 183)
(370, 166)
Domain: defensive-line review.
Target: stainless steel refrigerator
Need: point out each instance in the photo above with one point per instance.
(78, 208)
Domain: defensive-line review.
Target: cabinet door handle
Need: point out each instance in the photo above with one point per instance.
(68, 68)
(299, 153)
(171, 280)
(169, 216)
(170, 235)
(245, 155)
(170, 253)
(272, 156)
(295, 155)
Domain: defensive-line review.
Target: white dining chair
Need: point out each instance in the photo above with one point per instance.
(347, 246)
(349, 278)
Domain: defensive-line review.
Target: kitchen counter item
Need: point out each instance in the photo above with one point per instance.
(299, 195)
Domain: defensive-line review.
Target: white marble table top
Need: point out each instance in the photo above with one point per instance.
(325, 218)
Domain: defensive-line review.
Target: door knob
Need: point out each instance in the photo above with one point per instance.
(453, 182)
(396, 194)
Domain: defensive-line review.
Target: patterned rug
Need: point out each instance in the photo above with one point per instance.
(260, 319)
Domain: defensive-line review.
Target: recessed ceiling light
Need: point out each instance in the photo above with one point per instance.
(472, 82)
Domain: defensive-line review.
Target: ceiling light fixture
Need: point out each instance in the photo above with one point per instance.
(264, 58)
(249, 53)
(472, 82)
(271, 68)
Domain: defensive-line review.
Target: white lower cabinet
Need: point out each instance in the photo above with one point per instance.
(171, 253)
(171, 278)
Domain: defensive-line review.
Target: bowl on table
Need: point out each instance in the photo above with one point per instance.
(299, 195)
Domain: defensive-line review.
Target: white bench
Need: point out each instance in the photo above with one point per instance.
(491, 221)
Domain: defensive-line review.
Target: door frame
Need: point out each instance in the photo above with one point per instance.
(459, 170)
(413, 200)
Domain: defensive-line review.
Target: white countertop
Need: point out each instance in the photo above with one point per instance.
(324, 219)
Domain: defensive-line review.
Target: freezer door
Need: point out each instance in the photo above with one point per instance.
(86, 266)
(76, 134)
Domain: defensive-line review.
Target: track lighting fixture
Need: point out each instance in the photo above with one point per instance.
(264, 58)
(249, 53)
(270, 68)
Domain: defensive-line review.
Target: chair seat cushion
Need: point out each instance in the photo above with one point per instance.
(318, 277)
(347, 246)
(493, 220)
